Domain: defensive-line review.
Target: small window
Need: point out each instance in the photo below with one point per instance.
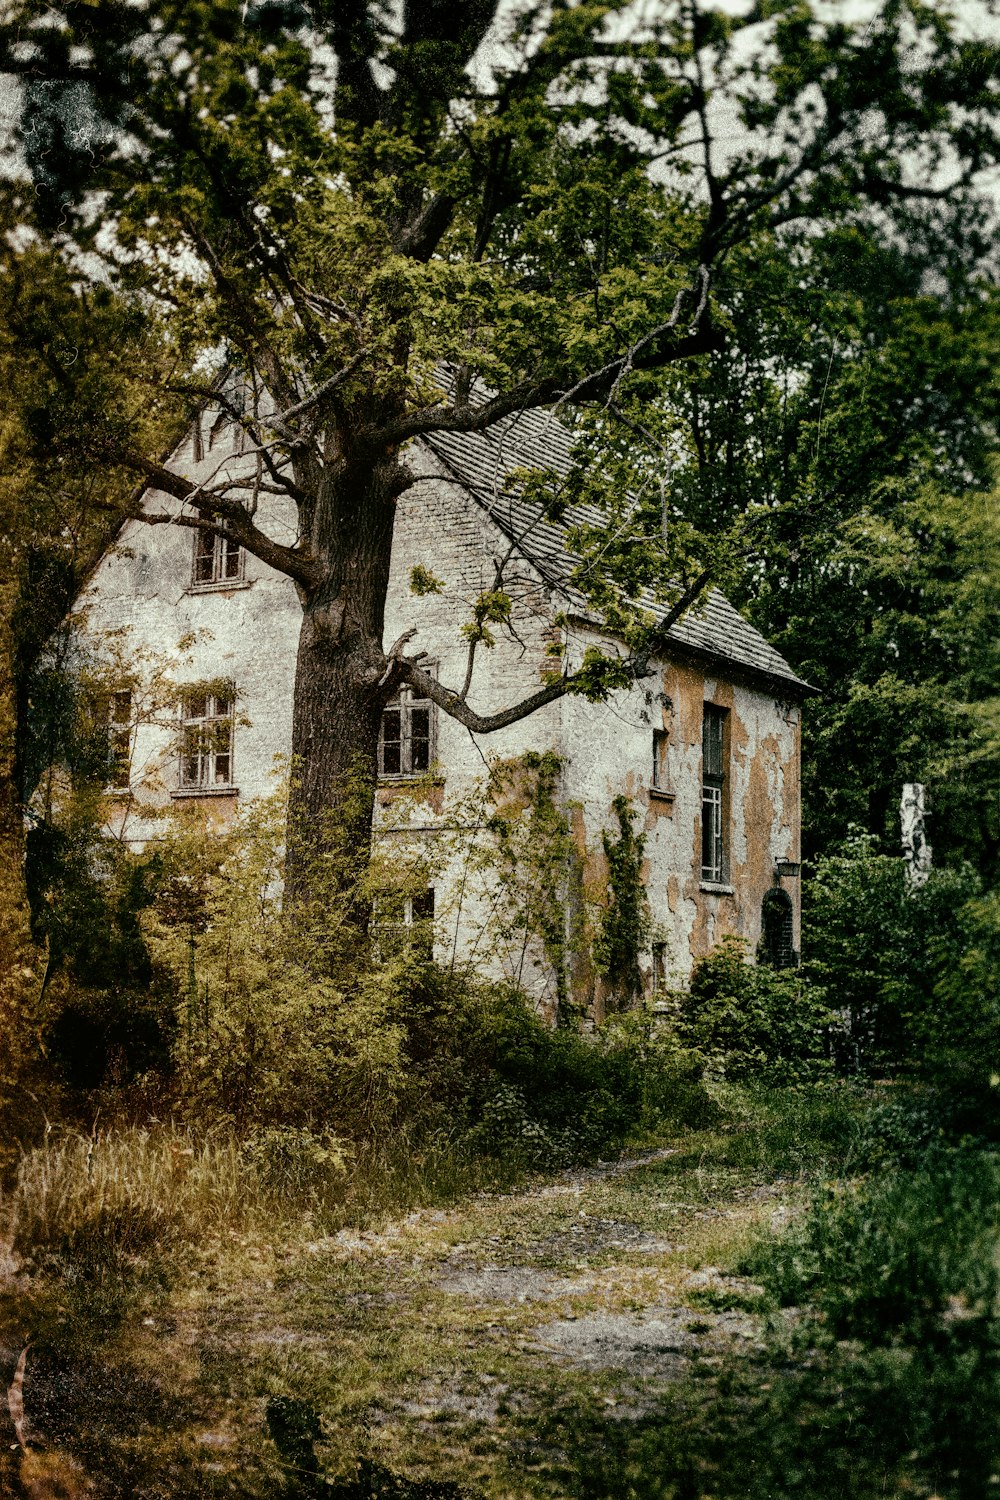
(660, 778)
(713, 779)
(404, 742)
(217, 559)
(659, 970)
(405, 923)
(207, 740)
(120, 739)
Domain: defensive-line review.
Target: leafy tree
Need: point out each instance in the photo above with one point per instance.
(55, 522)
(380, 217)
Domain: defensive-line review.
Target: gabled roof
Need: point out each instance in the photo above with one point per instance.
(482, 462)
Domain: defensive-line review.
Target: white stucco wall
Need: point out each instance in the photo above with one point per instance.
(248, 632)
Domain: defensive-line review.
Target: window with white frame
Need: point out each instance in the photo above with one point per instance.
(217, 559)
(120, 739)
(405, 742)
(713, 787)
(405, 923)
(207, 739)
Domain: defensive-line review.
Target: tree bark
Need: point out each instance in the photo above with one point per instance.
(341, 687)
(17, 954)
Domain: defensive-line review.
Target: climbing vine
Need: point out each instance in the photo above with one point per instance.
(624, 926)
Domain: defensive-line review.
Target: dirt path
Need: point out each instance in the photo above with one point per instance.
(469, 1346)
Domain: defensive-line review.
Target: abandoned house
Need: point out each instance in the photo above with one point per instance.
(706, 750)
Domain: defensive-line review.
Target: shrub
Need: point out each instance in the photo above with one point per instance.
(904, 1265)
(892, 1256)
(755, 1021)
(888, 954)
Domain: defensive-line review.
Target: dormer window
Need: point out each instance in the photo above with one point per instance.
(218, 560)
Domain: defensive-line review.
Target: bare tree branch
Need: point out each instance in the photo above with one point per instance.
(530, 394)
(294, 563)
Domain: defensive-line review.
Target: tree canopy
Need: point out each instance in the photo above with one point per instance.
(395, 222)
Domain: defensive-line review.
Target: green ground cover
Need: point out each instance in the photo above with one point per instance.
(674, 1324)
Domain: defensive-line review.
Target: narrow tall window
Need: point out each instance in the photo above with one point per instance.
(404, 742)
(120, 739)
(217, 559)
(659, 975)
(660, 780)
(207, 740)
(713, 781)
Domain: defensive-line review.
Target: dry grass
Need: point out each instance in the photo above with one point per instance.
(118, 1195)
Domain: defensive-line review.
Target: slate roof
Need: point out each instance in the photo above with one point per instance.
(481, 462)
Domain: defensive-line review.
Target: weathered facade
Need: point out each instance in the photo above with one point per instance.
(706, 749)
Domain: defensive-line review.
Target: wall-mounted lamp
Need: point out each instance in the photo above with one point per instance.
(787, 867)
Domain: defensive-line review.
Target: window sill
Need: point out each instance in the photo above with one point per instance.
(180, 793)
(224, 586)
(659, 794)
(412, 778)
(716, 888)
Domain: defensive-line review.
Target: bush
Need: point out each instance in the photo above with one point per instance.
(901, 1255)
(754, 1021)
(895, 959)
(904, 1265)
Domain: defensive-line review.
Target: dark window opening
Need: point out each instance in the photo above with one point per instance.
(404, 742)
(713, 778)
(207, 740)
(661, 779)
(777, 930)
(217, 559)
(120, 738)
(659, 970)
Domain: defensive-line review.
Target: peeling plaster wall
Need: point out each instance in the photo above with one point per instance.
(611, 751)
(249, 632)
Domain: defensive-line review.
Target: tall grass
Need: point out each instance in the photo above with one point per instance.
(99, 1200)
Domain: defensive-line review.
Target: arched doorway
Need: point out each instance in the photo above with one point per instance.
(777, 938)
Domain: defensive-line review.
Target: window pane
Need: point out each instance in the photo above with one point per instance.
(222, 708)
(711, 833)
(230, 558)
(391, 759)
(121, 744)
(420, 739)
(711, 741)
(191, 757)
(204, 559)
(222, 769)
(196, 706)
(423, 905)
(391, 724)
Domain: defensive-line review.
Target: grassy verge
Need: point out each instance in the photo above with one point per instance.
(205, 1320)
(785, 1304)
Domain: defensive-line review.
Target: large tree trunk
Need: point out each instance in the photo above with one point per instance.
(17, 954)
(341, 687)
